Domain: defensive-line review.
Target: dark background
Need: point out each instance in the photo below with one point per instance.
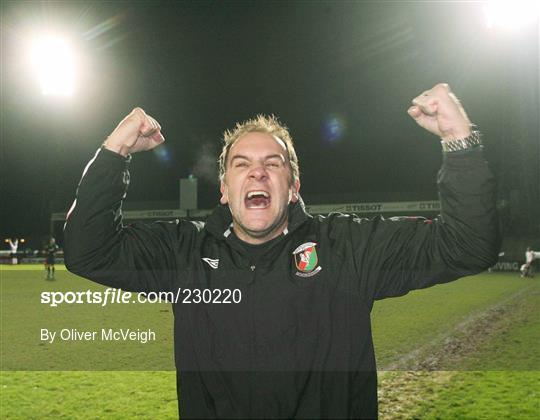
(198, 67)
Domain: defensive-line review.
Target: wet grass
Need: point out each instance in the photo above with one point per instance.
(83, 395)
(485, 395)
(497, 377)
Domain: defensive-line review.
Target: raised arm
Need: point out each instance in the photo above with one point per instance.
(139, 257)
(394, 256)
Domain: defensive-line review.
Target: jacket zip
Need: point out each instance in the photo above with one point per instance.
(252, 267)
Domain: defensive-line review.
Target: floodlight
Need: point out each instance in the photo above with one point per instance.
(54, 64)
(511, 14)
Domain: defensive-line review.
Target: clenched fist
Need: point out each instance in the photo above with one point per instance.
(440, 112)
(135, 133)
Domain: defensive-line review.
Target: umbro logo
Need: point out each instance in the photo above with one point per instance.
(212, 263)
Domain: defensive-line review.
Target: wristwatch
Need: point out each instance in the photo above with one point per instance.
(473, 140)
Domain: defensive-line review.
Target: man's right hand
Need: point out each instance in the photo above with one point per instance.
(137, 132)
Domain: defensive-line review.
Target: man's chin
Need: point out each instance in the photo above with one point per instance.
(257, 231)
(262, 230)
(260, 225)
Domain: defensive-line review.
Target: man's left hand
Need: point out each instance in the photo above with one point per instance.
(440, 112)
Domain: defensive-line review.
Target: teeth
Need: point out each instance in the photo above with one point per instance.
(252, 193)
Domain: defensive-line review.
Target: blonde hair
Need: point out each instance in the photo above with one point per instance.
(260, 124)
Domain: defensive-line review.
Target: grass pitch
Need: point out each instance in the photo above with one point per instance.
(497, 373)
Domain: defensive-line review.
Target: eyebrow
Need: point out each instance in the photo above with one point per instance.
(274, 156)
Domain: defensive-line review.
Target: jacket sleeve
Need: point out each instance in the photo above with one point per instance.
(138, 257)
(396, 255)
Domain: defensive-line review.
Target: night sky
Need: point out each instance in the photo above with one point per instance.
(340, 74)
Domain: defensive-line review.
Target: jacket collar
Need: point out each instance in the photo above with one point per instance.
(219, 223)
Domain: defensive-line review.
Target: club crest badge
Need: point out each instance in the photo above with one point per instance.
(306, 260)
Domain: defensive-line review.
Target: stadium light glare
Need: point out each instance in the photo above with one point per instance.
(511, 15)
(54, 63)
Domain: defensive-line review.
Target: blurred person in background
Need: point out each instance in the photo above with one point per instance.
(50, 258)
(527, 269)
(14, 245)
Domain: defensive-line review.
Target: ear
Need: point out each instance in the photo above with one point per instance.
(224, 194)
(295, 189)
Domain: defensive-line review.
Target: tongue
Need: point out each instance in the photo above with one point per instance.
(257, 202)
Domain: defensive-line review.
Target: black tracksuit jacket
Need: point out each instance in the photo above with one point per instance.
(298, 344)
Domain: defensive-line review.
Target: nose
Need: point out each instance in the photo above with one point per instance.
(258, 172)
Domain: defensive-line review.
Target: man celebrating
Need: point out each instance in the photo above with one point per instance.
(298, 343)
(13, 245)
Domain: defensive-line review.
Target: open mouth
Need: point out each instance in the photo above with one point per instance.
(257, 199)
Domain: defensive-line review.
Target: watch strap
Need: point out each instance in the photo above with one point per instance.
(473, 140)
